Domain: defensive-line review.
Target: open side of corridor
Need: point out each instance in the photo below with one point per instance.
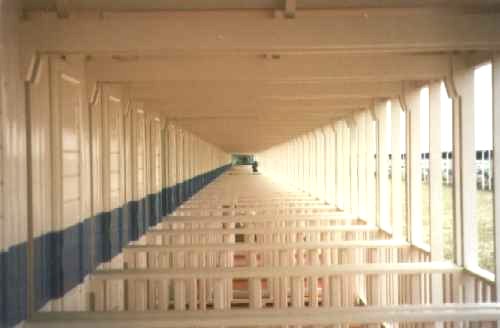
(249, 251)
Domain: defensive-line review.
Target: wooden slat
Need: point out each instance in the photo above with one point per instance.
(396, 183)
(276, 272)
(413, 164)
(258, 218)
(269, 317)
(271, 230)
(496, 167)
(248, 247)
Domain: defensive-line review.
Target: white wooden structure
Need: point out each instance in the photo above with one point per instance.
(119, 206)
(246, 269)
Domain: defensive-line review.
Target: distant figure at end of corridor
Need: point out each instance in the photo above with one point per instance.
(254, 166)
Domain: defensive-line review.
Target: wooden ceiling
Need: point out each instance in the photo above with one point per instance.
(257, 75)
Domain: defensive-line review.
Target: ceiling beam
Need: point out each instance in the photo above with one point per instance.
(288, 69)
(251, 89)
(150, 5)
(257, 32)
(180, 107)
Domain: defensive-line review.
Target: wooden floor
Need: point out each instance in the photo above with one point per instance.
(247, 251)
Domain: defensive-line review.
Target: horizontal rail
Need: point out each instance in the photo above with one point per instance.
(279, 272)
(270, 230)
(266, 207)
(258, 201)
(238, 204)
(251, 247)
(256, 218)
(269, 317)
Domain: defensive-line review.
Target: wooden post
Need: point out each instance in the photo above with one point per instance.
(370, 169)
(435, 184)
(382, 166)
(463, 105)
(361, 123)
(412, 98)
(496, 168)
(353, 166)
(339, 167)
(396, 190)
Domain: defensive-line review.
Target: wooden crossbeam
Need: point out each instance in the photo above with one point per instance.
(290, 205)
(279, 272)
(265, 231)
(333, 217)
(249, 247)
(269, 317)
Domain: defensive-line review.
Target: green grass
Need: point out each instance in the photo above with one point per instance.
(484, 217)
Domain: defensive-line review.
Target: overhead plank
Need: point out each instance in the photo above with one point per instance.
(209, 90)
(317, 68)
(256, 31)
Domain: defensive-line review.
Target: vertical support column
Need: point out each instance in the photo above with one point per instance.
(353, 166)
(339, 167)
(370, 169)
(412, 98)
(361, 125)
(329, 165)
(435, 180)
(435, 190)
(396, 190)
(180, 164)
(324, 149)
(294, 178)
(496, 168)
(313, 188)
(383, 167)
(305, 171)
(296, 163)
(346, 163)
(464, 163)
(172, 164)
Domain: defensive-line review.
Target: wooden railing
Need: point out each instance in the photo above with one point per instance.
(321, 268)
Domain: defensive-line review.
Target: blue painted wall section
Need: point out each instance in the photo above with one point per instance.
(64, 258)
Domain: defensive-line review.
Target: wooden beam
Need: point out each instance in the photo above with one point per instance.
(276, 272)
(463, 107)
(217, 89)
(412, 104)
(305, 316)
(255, 31)
(383, 215)
(396, 178)
(194, 5)
(435, 174)
(496, 168)
(252, 231)
(247, 247)
(288, 69)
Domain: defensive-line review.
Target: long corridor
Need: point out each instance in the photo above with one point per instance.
(129, 135)
(249, 251)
